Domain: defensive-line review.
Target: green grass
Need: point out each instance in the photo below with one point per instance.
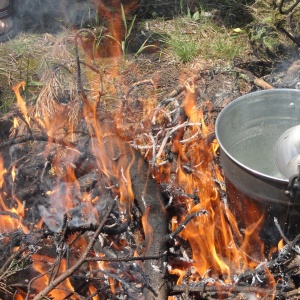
(224, 47)
(185, 49)
(188, 39)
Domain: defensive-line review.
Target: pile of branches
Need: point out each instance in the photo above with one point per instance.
(118, 244)
(109, 242)
(113, 217)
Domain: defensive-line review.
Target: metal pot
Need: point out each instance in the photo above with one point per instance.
(247, 130)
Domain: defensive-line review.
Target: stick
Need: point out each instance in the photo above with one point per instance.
(125, 259)
(257, 81)
(263, 84)
(185, 222)
(221, 289)
(168, 135)
(82, 259)
(280, 231)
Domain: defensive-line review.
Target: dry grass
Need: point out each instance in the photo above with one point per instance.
(26, 58)
(185, 40)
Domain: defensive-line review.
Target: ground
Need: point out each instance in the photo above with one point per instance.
(206, 36)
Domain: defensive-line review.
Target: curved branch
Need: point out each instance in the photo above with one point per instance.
(284, 12)
(82, 259)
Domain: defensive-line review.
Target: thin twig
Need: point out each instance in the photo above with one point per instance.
(31, 281)
(183, 224)
(125, 259)
(96, 292)
(79, 81)
(168, 135)
(125, 285)
(221, 289)
(82, 259)
(60, 250)
(280, 231)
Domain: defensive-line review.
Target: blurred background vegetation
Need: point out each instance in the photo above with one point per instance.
(175, 31)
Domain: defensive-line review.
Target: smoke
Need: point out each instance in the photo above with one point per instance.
(66, 198)
(52, 15)
(82, 215)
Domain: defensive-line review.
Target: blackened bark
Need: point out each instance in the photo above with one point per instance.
(150, 202)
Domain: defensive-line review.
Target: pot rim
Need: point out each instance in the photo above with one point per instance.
(235, 102)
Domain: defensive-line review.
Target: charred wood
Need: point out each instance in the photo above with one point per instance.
(151, 203)
(222, 290)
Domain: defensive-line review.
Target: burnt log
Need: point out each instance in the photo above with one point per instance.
(151, 204)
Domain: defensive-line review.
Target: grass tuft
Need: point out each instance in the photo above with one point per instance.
(183, 48)
(187, 39)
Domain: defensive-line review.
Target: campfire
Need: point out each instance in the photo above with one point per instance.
(126, 200)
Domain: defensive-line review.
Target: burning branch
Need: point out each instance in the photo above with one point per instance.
(149, 201)
(185, 222)
(219, 290)
(169, 134)
(82, 259)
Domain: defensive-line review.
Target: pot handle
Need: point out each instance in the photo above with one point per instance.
(293, 188)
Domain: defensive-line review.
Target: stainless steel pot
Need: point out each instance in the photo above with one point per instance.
(247, 131)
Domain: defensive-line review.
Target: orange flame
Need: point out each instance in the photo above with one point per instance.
(3, 171)
(16, 123)
(15, 214)
(13, 172)
(280, 244)
(147, 227)
(41, 264)
(211, 236)
(20, 101)
(18, 297)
